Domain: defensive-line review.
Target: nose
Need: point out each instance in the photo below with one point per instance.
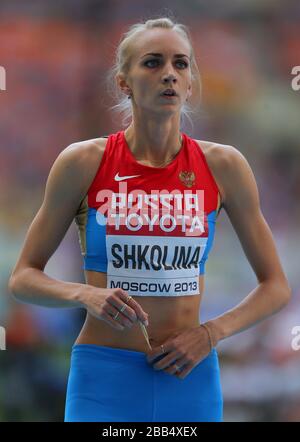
(168, 75)
(168, 78)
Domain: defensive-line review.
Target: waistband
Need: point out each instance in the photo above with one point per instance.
(117, 353)
(109, 352)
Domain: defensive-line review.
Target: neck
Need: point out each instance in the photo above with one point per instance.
(154, 143)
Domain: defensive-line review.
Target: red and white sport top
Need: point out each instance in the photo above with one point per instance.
(150, 229)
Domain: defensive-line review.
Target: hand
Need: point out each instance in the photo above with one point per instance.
(105, 304)
(186, 350)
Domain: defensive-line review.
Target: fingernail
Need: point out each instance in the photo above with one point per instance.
(146, 323)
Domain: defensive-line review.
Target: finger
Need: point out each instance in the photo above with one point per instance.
(121, 319)
(167, 361)
(185, 371)
(155, 353)
(143, 316)
(119, 304)
(176, 367)
(162, 349)
(110, 321)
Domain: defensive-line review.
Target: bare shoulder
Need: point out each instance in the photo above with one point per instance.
(219, 156)
(224, 161)
(82, 159)
(86, 153)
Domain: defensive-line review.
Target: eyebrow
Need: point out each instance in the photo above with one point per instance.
(160, 55)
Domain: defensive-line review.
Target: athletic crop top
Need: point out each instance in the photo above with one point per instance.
(150, 229)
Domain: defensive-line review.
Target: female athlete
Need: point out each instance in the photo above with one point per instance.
(145, 201)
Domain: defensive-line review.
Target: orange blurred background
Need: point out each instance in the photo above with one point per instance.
(56, 57)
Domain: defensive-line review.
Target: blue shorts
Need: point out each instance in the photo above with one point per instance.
(109, 384)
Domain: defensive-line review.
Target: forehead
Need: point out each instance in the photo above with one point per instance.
(164, 41)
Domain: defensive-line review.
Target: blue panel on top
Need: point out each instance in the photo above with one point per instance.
(211, 219)
(95, 258)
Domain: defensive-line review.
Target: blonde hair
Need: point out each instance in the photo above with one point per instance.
(122, 65)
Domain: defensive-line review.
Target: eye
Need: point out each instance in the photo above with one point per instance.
(183, 64)
(150, 61)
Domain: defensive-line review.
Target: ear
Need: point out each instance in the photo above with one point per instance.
(189, 92)
(121, 81)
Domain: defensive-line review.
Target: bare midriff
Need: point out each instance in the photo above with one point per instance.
(168, 315)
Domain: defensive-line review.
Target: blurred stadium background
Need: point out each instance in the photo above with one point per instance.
(57, 56)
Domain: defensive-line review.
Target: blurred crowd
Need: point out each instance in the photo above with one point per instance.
(56, 60)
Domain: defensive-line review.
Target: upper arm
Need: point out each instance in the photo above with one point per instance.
(67, 183)
(242, 205)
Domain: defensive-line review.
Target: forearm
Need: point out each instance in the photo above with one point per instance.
(265, 300)
(33, 286)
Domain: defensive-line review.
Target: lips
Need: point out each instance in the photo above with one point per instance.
(169, 93)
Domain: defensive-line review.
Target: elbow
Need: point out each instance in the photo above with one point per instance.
(288, 294)
(285, 294)
(279, 293)
(14, 286)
